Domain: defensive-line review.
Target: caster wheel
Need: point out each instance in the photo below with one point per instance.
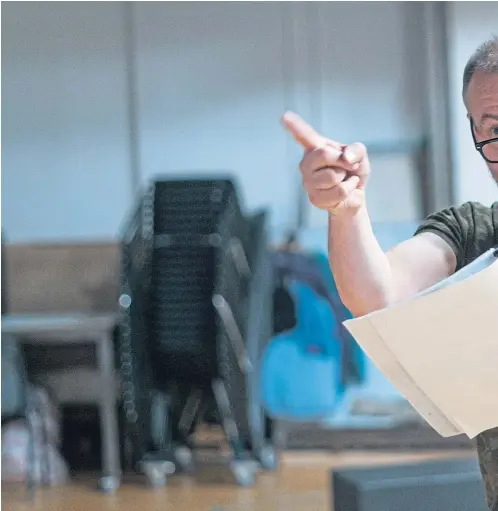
(157, 472)
(185, 459)
(268, 458)
(157, 479)
(109, 484)
(244, 473)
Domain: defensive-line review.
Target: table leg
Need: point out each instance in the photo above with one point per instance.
(111, 468)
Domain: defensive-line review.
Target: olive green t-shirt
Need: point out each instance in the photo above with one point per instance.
(470, 229)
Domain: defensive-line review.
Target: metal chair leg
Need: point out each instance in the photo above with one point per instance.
(31, 454)
(227, 317)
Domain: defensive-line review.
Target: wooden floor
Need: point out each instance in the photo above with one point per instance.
(301, 484)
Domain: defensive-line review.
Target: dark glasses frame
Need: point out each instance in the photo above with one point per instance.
(479, 145)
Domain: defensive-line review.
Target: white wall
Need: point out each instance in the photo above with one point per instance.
(469, 25)
(65, 153)
(369, 87)
(211, 81)
(210, 84)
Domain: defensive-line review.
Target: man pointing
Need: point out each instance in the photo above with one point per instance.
(335, 177)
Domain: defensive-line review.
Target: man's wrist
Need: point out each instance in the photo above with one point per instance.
(348, 216)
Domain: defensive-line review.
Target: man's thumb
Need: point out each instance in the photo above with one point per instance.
(355, 153)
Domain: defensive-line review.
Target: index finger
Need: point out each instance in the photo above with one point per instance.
(302, 131)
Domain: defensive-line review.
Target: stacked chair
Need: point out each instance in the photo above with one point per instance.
(195, 315)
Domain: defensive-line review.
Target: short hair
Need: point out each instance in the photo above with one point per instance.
(485, 58)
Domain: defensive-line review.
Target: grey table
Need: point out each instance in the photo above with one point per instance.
(97, 329)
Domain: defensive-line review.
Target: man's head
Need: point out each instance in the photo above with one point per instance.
(480, 94)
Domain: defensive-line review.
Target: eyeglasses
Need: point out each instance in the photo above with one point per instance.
(487, 148)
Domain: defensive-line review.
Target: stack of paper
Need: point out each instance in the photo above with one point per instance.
(440, 349)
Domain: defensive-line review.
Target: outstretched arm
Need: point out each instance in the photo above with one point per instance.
(335, 177)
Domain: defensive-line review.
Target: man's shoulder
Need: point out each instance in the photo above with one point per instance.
(470, 215)
(470, 229)
(473, 207)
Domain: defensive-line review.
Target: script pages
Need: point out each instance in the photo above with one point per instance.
(440, 349)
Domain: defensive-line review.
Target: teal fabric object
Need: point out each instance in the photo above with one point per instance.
(301, 368)
(356, 369)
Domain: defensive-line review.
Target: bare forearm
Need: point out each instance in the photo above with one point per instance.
(334, 177)
(361, 269)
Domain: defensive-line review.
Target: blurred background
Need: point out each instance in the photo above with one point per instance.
(116, 109)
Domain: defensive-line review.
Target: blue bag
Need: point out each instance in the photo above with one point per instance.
(355, 360)
(301, 368)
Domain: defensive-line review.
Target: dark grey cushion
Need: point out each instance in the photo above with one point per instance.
(452, 485)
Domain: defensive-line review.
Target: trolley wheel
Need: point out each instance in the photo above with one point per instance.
(244, 472)
(184, 458)
(109, 484)
(269, 458)
(157, 472)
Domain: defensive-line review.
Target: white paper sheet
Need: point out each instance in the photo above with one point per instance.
(440, 349)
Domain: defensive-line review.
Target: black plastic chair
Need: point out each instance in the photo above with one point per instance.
(196, 312)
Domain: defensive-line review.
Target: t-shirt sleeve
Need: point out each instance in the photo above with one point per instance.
(454, 225)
